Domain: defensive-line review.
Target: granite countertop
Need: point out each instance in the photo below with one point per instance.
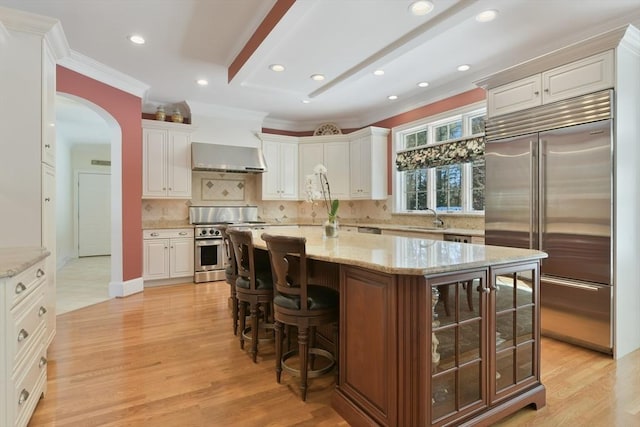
(421, 229)
(15, 260)
(400, 255)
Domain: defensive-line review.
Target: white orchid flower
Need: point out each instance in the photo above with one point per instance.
(319, 169)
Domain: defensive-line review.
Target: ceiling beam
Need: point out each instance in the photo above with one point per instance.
(266, 26)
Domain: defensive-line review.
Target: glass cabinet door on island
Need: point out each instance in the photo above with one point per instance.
(459, 361)
(484, 339)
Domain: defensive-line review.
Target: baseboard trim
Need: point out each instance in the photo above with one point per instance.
(124, 289)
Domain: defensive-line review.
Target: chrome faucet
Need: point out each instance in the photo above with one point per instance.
(439, 223)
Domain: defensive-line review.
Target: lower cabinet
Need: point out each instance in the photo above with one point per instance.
(168, 253)
(450, 349)
(23, 362)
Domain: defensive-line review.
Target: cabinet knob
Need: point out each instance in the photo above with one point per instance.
(47, 145)
(43, 361)
(39, 273)
(20, 288)
(536, 93)
(547, 90)
(22, 335)
(42, 311)
(164, 188)
(24, 395)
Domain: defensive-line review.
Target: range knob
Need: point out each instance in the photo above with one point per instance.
(211, 231)
(203, 232)
(216, 232)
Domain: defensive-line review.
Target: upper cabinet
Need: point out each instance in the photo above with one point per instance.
(333, 152)
(166, 168)
(280, 181)
(580, 77)
(368, 163)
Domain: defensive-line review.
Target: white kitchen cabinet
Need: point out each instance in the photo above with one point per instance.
(281, 179)
(23, 318)
(576, 78)
(49, 242)
(334, 156)
(368, 163)
(48, 109)
(168, 253)
(166, 167)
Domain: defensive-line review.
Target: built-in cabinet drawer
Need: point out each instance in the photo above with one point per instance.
(22, 284)
(26, 321)
(29, 384)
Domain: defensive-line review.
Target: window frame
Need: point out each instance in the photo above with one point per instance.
(466, 114)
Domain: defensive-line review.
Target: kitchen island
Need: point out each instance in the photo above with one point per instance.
(431, 332)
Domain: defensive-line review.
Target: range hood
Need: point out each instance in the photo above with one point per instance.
(226, 158)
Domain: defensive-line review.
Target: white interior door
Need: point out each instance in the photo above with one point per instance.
(94, 214)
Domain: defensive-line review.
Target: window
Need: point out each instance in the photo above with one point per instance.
(450, 188)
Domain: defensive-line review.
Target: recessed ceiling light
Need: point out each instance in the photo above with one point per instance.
(392, 97)
(378, 73)
(423, 84)
(463, 67)
(306, 101)
(276, 67)
(202, 82)
(486, 16)
(317, 77)
(421, 7)
(136, 39)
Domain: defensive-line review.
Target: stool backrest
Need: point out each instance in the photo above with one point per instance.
(289, 265)
(242, 245)
(228, 249)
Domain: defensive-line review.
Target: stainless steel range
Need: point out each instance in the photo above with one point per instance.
(210, 257)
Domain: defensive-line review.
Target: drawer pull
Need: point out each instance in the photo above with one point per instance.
(41, 311)
(154, 234)
(24, 395)
(43, 361)
(183, 233)
(20, 288)
(39, 273)
(22, 335)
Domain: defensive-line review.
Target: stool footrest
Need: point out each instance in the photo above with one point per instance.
(246, 333)
(310, 373)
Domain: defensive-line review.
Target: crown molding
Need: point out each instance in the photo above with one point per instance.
(91, 68)
(215, 110)
(4, 34)
(48, 28)
(309, 125)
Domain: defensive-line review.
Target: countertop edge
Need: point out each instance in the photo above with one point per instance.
(20, 259)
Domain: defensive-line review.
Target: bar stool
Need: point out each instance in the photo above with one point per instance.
(231, 274)
(254, 287)
(298, 303)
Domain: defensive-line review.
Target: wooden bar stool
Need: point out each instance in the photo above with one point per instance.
(231, 274)
(300, 304)
(254, 287)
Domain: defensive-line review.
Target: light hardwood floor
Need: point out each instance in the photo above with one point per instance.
(167, 357)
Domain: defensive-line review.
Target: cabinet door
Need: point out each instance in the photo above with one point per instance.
(48, 108)
(515, 96)
(336, 160)
(578, 78)
(156, 259)
(514, 341)
(179, 165)
(309, 155)
(181, 263)
(154, 167)
(459, 360)
(49, 242)
(360, 160)
(289, 171)
(271, 178)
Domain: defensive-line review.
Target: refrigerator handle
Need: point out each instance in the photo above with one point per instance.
(532, 196)
(540, 205)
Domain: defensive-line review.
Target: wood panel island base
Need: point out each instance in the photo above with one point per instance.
(432, 333)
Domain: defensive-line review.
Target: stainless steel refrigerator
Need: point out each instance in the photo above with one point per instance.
(549, 187)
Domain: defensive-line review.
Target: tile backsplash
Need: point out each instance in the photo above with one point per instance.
(230, 189)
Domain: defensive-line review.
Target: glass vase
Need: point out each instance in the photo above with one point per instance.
(330, 228)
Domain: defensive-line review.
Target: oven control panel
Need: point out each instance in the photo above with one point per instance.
(208, 232)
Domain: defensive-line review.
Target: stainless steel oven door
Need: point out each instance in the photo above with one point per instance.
(209, 260)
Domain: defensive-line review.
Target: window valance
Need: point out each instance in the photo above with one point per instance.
(449, 153)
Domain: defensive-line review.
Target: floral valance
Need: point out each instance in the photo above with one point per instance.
(449, 153)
